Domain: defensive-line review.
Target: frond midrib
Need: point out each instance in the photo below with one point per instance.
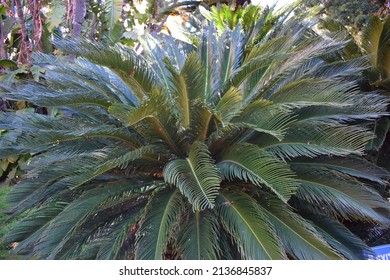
(248, 226)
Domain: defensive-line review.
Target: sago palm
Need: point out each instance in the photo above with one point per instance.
(222, 150)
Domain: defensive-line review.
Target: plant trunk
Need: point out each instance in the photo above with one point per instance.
(25, 46)
(3, 53)
(79, 10)
(35, 10)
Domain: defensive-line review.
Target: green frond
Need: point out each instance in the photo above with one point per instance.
(260, 58)
(157, 53)
(299, 238)
(208, 51)
(106, 230)
(40, 131)
(160, 215)
(332, 27)
(115, 245)
(229, 106)
(310, 140)
(365, 107)
(66, 174)
(303, 53)
(34, 222)
(380, 128)
(340, 196)
(353, 166)
(63, 76)
(375, 42)
(231, 50)
(247, 162)
(196, 176)
(114, 11)
(198, 237)
(156, 111)
(263, 116)
(249, 227)
(312, 90)
(133, 69)
(57, 231)
(187, 86)
(201, 121)
(340, 238)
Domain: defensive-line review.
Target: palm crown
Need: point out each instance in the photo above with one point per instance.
(237, 147)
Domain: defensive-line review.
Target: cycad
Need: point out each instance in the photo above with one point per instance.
(216, 151)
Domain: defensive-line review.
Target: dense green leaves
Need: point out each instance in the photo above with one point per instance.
(245, 145)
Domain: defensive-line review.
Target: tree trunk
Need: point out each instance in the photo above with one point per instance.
(3, 53)
(25, 46)
(79, 10)
(35, 10)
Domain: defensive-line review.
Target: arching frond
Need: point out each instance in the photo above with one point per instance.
(131, 68)
(156, 112)
(249, 226)
(265, 117)
(196, 176)
(310, 140)
(209, 54)
(340, 196)
(353, 166)
(247, 162)
(160, 215)
(198, 237)
(187, 86)
(51, 235)
(375, 42)
(229, 106)
(299, 238)
(340, 238)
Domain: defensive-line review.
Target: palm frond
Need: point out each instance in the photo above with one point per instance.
(247, 162)
(231, 52)
(196, 176)
(249, 226)
(155, 227)
(380, 129)
(319, 139)
(229, 106)
(187, 86)
(340, 238)
(340, 196)
(353, 166)
(298, 237)
(133, 69)
(375, 42)
(157, 53)
(115, 245)
(156, 111)
(198, 237)
(265, 117)
(56, 231)
(114, 11)
(209, 54)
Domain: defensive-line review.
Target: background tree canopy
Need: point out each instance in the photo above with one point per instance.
(352, 13)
